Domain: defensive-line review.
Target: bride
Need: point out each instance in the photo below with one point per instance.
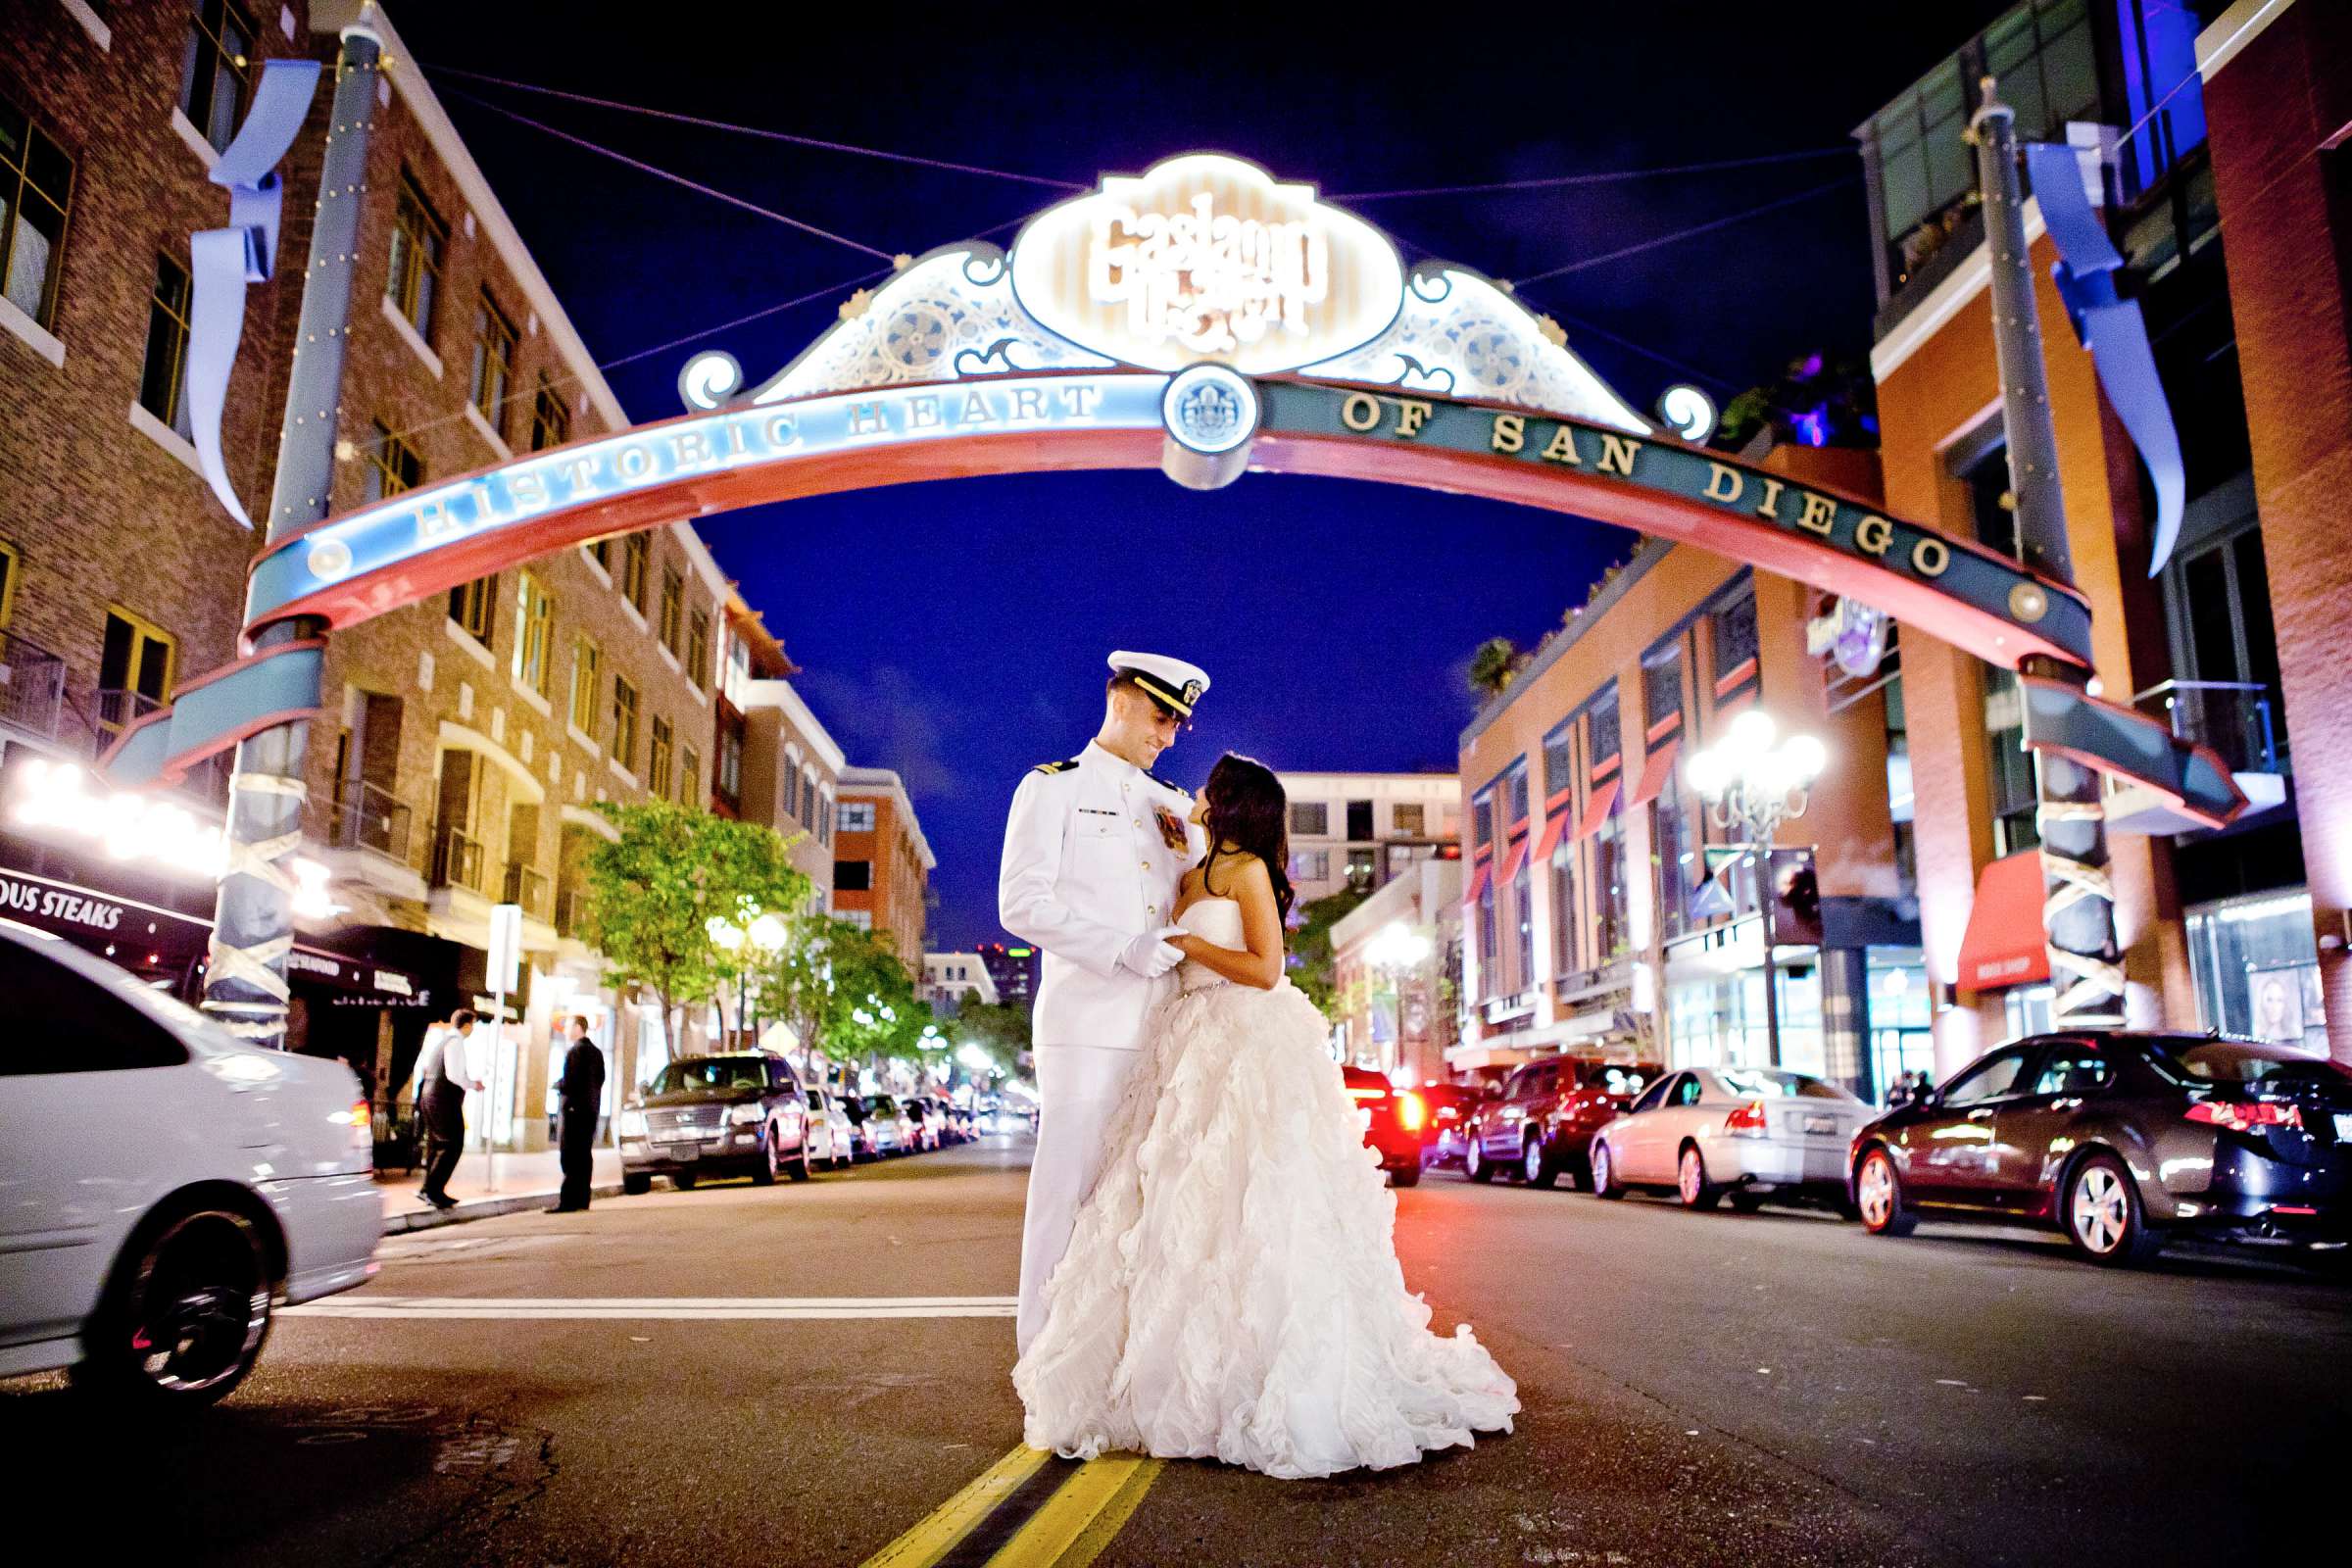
(1231, 1290)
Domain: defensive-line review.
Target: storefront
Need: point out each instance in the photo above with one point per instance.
(2257, 969)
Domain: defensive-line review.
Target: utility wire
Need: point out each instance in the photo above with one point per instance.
(696, 186)
(754, 130)
(1680, 234)
(1553, 181)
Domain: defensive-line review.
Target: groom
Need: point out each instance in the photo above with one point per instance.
(1093, 853)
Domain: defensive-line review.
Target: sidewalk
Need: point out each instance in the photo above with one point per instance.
(526, 1181)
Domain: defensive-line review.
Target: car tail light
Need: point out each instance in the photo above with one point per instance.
(1748, 1118)
(362, 1121)
(1411, 1111)
(1369, 1092)
(2245, 1116)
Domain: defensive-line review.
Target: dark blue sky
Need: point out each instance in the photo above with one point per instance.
(955, 631)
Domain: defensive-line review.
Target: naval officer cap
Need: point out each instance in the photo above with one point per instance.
(1170, 682)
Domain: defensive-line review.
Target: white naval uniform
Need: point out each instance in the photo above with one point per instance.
(1086, 869)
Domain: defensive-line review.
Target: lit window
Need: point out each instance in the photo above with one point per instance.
(656, 766)
(134, 668)
(418, 236)
(698, 650)
(585, 658)
(470, 608)
(36, 188)
(494, 339)
(690, 774)
(673, 608)
(392, 465)
(625, 722)
(534, 635)
(216, 70)
(636, 552)
(857, 817)
(7, 580)
(161, 389)
(551, 427)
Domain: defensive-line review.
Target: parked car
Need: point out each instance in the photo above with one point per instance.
(2120, 1140)
(931, 1118)
(163, 1187)
(1450, 1105)
(1540, 1123)
(831, 1137)
(890, 1129)
(1743, 1132)
(737, 1113)
(1394, 1120)
(965, 1123)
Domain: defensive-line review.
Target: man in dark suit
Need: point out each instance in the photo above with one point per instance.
(442, 1101)
(580, 1097)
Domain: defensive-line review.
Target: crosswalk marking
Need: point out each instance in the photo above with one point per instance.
(672, 1308)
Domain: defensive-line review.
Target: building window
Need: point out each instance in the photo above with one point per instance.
(2015, 824)
(1558, 766)
(1523, 905)
(690, 774)
(161, 389)
(857, 817)
(1311, 818)
(1734, 624)
(534, 635)
(1604, 719)
(584, 660)
(1363, 869)
(656, 763)
(698, 650)
(418, 237)
(392, 465)
(7, 580)
(863, 919)
(469, 605)
(1408, 821)
(1661, 688)
(636, 554)
(1677, 843)
(737, 682)
(673, 608)
(1563, 910)
(215, 71)
(1489, 966)
(1515, 798)
(625, 722)
(37, 191)
(551, 427)
(729, 783)
(494, 339)
(134, 668)
(824, 819)
(1609, 891)
(853, 876)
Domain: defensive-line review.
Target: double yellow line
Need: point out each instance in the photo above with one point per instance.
(1027, 1510)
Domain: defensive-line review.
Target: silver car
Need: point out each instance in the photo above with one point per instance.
(830, 1138)
(1743, 1132)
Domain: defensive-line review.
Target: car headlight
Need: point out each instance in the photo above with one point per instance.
(632, 1124)
(747, 1113)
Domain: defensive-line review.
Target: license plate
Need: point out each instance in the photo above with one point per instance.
(2343, 1128)
(681, 1151)
(1821, 1126)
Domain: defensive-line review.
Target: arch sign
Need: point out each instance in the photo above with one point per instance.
(1203, 318)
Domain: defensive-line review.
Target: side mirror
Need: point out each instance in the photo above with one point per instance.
(1490, 1091)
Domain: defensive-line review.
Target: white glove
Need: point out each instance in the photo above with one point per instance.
(1149, 955)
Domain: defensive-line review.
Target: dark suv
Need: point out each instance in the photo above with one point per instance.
(740, 1114)
(1540, 1122)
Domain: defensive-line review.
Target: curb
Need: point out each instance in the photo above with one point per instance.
(427, 1219)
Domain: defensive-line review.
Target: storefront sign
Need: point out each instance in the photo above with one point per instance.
(1850, 634)
(45, 904)
(356, 982)
(1207, 257)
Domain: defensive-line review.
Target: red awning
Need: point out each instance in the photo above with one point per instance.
(1656, 772)
(1513, 860)
(1595, 809)
(1553, 826)
(2004, 945)
(1478, 883)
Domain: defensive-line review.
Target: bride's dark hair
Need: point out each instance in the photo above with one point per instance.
(1247, 809)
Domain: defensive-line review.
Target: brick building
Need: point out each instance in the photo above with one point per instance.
(466, 740)
(1351, 832)
(881, 861)
(791, 765)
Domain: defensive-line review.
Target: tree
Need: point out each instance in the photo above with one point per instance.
(1492, 667)
(653, 890)
(1310, 946)
(843, 990)
(1816, 402)
(999, 1028)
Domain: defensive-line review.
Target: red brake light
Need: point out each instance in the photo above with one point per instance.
(1411, 1111)
(1748, 1118)
(2244, 1116)
(1368, 1092)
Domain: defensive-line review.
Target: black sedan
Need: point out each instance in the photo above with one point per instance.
(2120, 1140)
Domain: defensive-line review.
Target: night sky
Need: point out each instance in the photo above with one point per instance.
(957, 631)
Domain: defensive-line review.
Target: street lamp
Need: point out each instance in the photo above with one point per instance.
(1751, 786)
(762, 932)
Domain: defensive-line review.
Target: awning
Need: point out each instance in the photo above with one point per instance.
(1478, 883)
(2004, 945)
(1553, 826)
(1656, 772)
(355, 982)
(1595, 809)
(1513, 860)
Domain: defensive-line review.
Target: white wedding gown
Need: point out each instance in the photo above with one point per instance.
(1231, 1290)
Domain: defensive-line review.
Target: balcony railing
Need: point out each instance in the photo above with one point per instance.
(458, 861)
(2233, 718)
(571, 912)
(33, 687)
(529, 887)
(366, 816)
(118, 707)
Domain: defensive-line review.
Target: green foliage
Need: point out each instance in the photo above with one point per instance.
(653, 890)
(1310, 946)
(843, 991)
(1493, 665)
(999, 1028)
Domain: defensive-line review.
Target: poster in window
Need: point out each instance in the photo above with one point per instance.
(2283, 1001)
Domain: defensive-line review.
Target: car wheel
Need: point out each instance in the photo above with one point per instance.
(636, 1184)
(1745, 1202)
(799, 1169)
(683, 1179)
(1404, 1176)
(2103, 1215)
(184, 1318)
(1474, 1163)
(1604, 1173)
(764, 1174)
(1879, 1194)
(1534, 1168)
(1690, 1182)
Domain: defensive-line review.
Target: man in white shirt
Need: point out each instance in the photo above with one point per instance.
(1094, 850)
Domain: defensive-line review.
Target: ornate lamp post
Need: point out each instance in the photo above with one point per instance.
(1751, 786)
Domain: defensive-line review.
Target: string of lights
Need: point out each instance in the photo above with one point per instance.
(1603, 177)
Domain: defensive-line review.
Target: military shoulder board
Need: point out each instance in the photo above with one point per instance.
(1167, 785)
(1055, 767)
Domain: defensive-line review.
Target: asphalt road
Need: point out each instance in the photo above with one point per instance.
(701, 1378)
